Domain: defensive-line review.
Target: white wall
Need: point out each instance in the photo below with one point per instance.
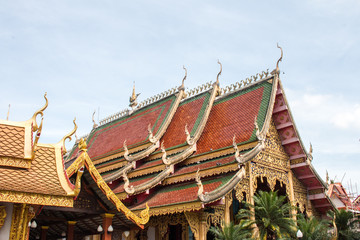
(151, 233)
(5, 230)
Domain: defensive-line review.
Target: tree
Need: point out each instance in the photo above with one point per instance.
(272, 216)
(313, 229)
(345, 224)
(232, 232)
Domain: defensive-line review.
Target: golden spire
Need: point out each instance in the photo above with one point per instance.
(217, 77)
(7, 117)
(133, 98)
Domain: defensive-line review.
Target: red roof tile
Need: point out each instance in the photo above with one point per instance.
(233, 116)
(109, 139)
(187, 113)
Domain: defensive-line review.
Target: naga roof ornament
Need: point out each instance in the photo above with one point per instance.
(39, 112)
(68, 136)
(217, 77)
(182, 87)
(133, 98)
(277, 70)
(93, 119)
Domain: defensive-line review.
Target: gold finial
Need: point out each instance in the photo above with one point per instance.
(68, 136)
(7, 117)
(217, 77)
(280, 59)
(40, 111)
(133, 98)
(182, 87)
(93, 120)
(83, 145)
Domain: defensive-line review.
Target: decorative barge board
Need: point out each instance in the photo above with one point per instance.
(300, 160)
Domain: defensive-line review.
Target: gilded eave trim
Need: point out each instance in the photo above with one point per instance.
(144, 215)
(36, 198)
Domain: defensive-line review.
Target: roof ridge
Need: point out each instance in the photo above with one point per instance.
(244, 83)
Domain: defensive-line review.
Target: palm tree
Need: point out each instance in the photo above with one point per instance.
(272, 216)
(313, 229)
(232, 232)
(345, 224)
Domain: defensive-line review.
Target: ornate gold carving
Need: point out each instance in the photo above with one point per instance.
(271, 176)
(273, 142)
(144, 215)
(241, 189)
(2, 215)
(15, 162)
(19, 222)
(36, 199)
(162, 222)
(297, 160)
(193, 219)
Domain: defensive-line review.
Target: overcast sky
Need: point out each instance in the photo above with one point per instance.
(87, 54)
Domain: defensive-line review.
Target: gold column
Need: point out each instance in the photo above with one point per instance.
(292, 195)
(19, 222)
(251, 197)
(203, 226)
(227, 210)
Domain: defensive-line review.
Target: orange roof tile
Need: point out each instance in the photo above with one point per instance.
(42, 177)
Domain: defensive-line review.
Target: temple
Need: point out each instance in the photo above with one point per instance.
(171, 166)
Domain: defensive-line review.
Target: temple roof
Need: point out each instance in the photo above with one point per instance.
(209, 136)
(31, 172)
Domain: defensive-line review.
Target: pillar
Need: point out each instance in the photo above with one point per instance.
(227, 210)
(203, 226)
(251, 197)
(70, 230)
(292, 195)
(107, 221)
(44, 230)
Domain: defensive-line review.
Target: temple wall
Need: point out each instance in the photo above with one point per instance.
(5, 230)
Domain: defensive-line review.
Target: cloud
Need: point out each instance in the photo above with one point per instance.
(332, 109)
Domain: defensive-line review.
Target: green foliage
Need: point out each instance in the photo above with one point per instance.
(232, 232)
(313, 229)
(345, 224)
(272, 216)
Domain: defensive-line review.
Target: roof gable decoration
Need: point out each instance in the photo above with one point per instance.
(17, 147)
(85, 161)
(220, 192)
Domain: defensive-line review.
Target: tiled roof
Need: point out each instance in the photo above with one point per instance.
(42, 177)
(181, 193)
(12, 141)
(235, 114)
(109, 139)
(189, 113)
